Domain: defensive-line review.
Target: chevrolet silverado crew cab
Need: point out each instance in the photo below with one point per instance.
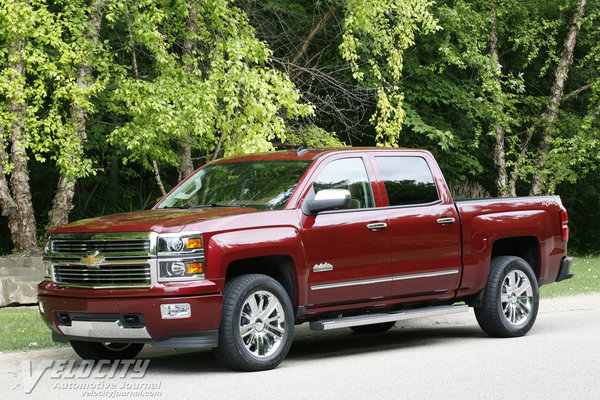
(247, 247)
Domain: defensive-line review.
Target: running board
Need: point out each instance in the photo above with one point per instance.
(368, 319)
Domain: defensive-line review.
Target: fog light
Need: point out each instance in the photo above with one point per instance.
(180, 310)
(176, 269)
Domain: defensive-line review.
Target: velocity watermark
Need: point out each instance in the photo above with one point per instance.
(103, 378)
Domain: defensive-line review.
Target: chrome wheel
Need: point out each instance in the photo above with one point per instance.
(106, 350)
(262, 324)
(116, 346)
(516, 297)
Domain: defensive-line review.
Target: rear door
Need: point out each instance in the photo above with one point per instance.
(348, 255)
(424, 225)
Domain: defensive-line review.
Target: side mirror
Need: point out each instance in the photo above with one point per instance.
(327, 199)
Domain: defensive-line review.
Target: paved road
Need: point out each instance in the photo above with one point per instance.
(435, 358)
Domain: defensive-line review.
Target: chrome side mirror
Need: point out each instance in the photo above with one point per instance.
(327, 199)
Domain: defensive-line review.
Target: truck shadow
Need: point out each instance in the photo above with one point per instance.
(310, 345)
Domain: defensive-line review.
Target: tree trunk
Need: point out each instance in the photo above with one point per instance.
(189, 48)
(499, 153)
(63, 199)
(550, 116)
(18, 206)
(157, 177)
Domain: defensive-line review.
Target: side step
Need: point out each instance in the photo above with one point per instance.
(367, 319)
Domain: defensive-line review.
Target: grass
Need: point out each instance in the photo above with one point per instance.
(585, 281)
(22, 328)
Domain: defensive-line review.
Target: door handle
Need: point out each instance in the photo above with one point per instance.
(375, 226)
(446, 221)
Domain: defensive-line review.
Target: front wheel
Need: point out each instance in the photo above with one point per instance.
(510, 298)
(257, 324)
(106, 351)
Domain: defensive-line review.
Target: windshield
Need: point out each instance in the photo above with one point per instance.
(265, 185)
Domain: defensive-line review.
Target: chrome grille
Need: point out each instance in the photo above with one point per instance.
(105, 275)
(104, 246)
(102, 260)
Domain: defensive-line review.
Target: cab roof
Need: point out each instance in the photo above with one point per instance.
(299, 155)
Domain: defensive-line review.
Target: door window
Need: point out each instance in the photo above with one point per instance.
(408, 180)
(349, 174)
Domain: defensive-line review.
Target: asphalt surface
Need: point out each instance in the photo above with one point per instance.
(434, 358)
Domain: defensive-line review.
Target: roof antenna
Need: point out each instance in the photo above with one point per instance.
(301, 151)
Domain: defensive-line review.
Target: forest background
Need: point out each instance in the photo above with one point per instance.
(105, 105)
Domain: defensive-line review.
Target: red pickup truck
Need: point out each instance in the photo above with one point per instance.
(247, 247)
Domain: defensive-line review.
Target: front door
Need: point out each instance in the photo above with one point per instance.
(347, 251)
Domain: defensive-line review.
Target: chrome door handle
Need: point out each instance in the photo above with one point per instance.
(376, 226)
(446, 221)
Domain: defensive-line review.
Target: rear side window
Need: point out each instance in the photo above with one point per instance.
(408, 180)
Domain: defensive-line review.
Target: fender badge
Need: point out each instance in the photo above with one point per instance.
(92, 260)
(323, 267)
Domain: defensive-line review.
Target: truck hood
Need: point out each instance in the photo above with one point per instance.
(160, 221)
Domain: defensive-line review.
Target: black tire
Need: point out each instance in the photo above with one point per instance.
(509, 308)
(374, 328)
(274, 331)
(106, 351)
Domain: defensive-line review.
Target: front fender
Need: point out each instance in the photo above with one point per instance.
(224, 248)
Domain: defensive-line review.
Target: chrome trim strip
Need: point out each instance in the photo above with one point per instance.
(367, 319)
(103, 329)
(352, 283)
(383, 280)
(426, 275)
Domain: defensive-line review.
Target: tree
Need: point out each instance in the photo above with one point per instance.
(24, 31)
(84, 41)
(45, 82)
(216, 95)
(494, 61)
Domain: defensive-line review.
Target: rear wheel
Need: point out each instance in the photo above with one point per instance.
(257, 324)
(373, 328)
(510, 298)
(106, 351)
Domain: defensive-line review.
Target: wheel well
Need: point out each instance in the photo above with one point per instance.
(278, 267)
(526, 247)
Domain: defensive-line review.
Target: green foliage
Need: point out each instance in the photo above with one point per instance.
(52, 49)
(312, 137)
(222, 89)
(392, 72)
(376, 35)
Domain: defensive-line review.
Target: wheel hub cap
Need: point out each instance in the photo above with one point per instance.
(516, 297)
(262, 324)
(259, 326)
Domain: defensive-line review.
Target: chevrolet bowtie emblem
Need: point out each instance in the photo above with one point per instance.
(92, 260)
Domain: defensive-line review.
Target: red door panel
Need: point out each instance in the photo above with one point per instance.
(347, 262)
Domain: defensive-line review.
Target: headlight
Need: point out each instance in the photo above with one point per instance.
(47, 270)
(179, 244)
(180, 257)
(46, 261)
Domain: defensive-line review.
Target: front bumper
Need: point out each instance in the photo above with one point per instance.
(134, 320)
